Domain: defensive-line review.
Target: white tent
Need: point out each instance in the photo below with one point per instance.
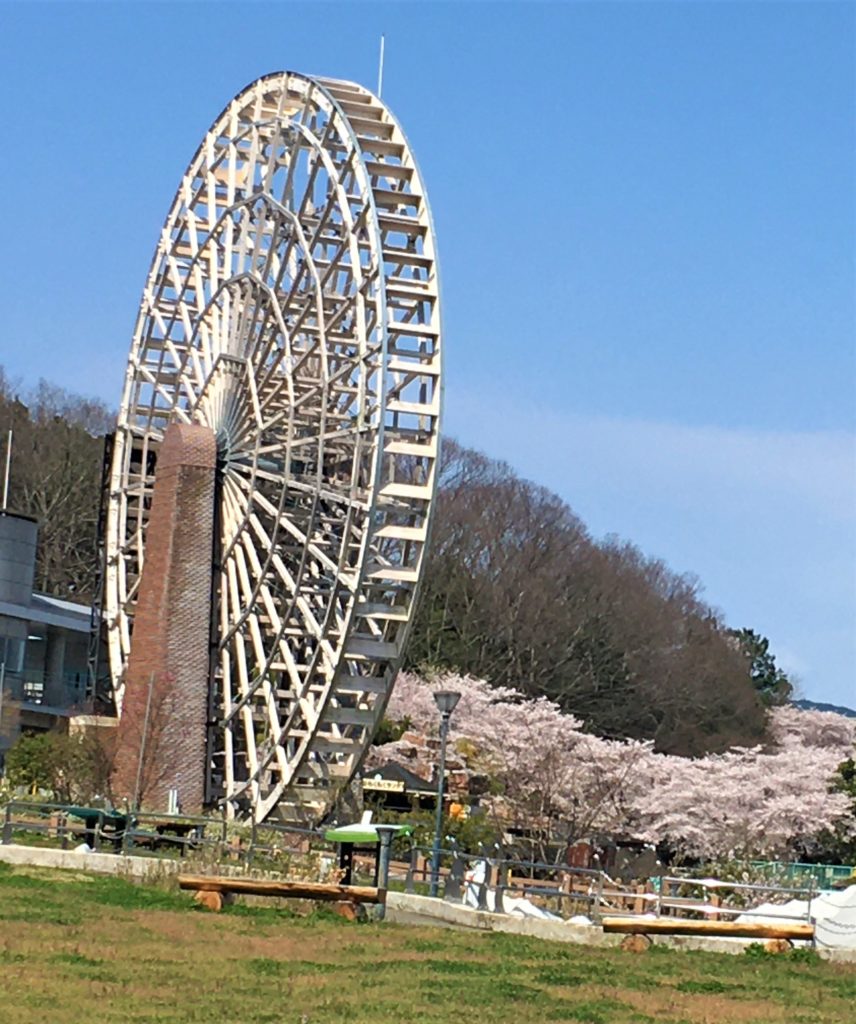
(833, 913)
(835, 918)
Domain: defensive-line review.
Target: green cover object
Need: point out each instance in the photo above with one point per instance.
(109, 817)
(359, 833)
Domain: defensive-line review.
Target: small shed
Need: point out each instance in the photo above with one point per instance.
(620, 856)
(394, 788)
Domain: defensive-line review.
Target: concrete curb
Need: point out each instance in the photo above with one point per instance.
(98, 863)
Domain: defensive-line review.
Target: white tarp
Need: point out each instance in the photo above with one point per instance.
(833, 913)
(835, 918)
(474, 879)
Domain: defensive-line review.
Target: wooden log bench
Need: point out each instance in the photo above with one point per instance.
(210, 890)
(788, 930)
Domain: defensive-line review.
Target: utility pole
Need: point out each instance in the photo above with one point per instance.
(2, 687)
(7, 471)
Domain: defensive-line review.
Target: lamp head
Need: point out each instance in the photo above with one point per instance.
(446, 701)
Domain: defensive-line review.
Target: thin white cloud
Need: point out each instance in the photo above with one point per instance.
(815, 468)
(766, 518)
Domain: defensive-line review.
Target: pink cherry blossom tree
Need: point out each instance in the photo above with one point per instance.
(552, 777)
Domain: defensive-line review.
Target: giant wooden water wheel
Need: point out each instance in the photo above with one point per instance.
(292, 310)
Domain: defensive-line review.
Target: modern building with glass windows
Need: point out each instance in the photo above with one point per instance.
(44, 642)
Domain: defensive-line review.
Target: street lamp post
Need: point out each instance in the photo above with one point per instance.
(385, 835)
(446, 701)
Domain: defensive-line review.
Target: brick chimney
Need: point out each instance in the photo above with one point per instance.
(168, 668)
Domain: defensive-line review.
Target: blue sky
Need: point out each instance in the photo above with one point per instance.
(646, 223)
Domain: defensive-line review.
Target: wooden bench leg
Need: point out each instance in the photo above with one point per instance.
(209, 900)
(345, 908)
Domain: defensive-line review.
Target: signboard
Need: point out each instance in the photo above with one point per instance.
(384, 785)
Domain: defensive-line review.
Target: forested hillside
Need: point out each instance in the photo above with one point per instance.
(517, 592)
(58, 441)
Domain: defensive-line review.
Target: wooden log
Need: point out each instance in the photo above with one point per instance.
(635, 943)
(283, 890)
(421, 871)
(346, 910)
(209, 900)
(639, 904)
(715, 901)
(678, 926)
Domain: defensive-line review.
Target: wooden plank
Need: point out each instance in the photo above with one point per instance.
(677, 926)
(283, 890)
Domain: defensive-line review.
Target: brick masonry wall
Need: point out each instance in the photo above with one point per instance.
(169, 663)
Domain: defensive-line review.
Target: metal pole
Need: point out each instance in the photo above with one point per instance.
(2, 686)
(597, 910)
(385, 834)
(2, 689)
(499, 888)
(8, 470)
(411, 871)
(438, 824)
(143, 743)
(380, 69)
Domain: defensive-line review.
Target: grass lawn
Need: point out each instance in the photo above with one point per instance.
(77, 947)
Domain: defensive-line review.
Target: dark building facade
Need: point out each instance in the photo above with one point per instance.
(44, 641)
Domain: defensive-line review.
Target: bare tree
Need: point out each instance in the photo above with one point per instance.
(145, 753)
(56, 476)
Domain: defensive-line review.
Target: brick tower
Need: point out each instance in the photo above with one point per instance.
(161, 742)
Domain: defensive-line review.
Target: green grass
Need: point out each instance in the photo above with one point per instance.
(84, 947)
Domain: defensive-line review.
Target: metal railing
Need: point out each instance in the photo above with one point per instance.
(487, 879)
(794, 872)
(671, 896)
(160, 835)
(490, 880)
